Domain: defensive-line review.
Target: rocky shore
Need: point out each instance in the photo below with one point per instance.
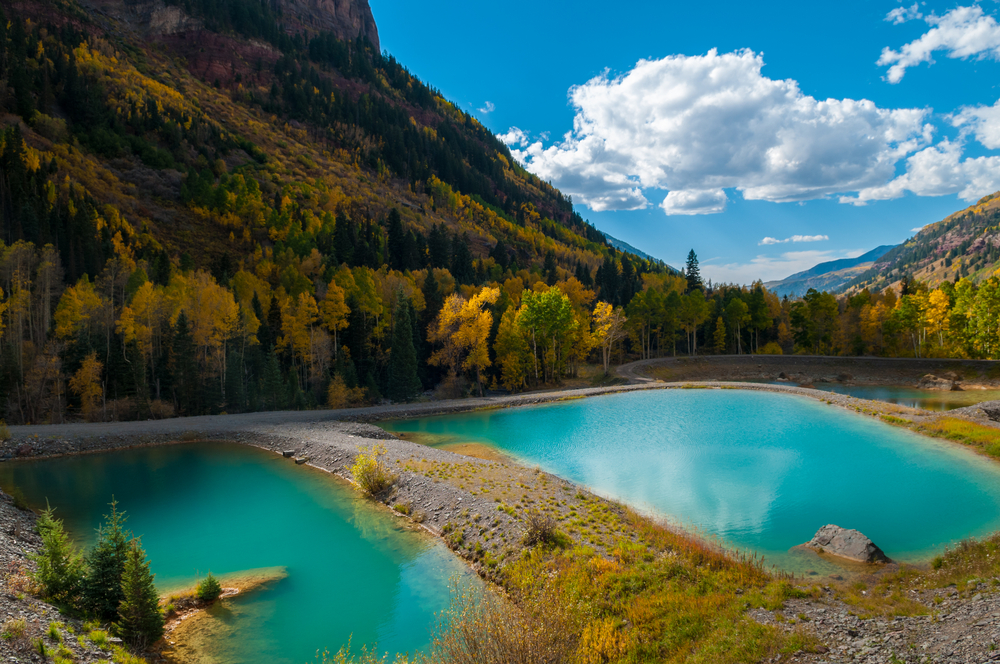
(480, 507)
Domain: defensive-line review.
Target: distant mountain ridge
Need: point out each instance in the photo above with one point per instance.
(965, 244)
(832, 276)
(622, 245)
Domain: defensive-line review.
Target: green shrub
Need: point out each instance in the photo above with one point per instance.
(54, 632)
(60, 568)
(371, 472)
(771, 348)
(99, 638)
(4, 431)
(209, 589)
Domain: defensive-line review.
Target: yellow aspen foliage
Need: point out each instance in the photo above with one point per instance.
(463, 327)
(86, 384)
(513, 351)
(938, 311)
(338, 395)
(75, 309)
(334, 311)
(609, 328)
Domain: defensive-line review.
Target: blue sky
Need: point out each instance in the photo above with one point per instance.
(749, 133)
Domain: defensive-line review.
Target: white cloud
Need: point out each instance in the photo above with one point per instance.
(488, 108)
(771, 268)
(794, 238)
(514, 137)
(694, 202)
(983, 121)
(917, 229)
(904, 14)
(938, 171)
(696, 125)
(961, 33)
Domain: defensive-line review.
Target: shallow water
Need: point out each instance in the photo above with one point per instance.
(353, 570)
(936, 400)
(761, 471)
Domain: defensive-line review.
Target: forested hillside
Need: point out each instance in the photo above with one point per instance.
(256, 215)
(964, 245)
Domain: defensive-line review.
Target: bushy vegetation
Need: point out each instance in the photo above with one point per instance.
(371, 472)
(983, 438)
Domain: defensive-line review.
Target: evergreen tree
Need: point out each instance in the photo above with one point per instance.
(184, 368)
(140, 622)
(272, 391)
(550, 271)
(59, 566)
(461, 259)
(102, 587)
(404, 385)
(693, 273)
(396, 242)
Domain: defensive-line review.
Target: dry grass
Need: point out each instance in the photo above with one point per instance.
(984, 439)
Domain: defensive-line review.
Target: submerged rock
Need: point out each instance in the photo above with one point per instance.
(845, 543)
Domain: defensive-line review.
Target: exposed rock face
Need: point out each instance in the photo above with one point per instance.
(846, 543)
(345, 18)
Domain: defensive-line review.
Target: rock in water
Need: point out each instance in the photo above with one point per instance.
(848, 544)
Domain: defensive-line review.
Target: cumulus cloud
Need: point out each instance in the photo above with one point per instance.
(794, 238)
(904, 14)
(771, 268)
(694, 202)
(698, 125)
(982, 121)
(514, 137)
(489, 107)
(961, 33)
(937, 171)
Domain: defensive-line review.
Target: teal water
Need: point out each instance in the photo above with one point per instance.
(761, 471)
(353, 570)
(936, 400)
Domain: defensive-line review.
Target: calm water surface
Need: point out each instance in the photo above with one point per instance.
(762, 471)
(352, 570)
(937, 400)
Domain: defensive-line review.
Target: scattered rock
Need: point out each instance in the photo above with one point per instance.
(846, 543)
(947, 381)
(288, 454)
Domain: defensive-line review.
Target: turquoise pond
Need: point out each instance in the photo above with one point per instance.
(760, 471)
(354, 571)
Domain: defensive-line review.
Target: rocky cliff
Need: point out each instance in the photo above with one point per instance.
(346, 19)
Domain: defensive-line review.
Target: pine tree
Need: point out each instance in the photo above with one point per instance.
(693, 273)
(404, 384)
(59, 565)
(140, 622)
(550, 271)
(102, 587)
(184, 367)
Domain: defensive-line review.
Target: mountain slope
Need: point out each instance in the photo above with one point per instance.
(621, 245)
(965, 244)
(830, 276)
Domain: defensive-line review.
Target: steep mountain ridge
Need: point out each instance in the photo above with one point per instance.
(964, 244)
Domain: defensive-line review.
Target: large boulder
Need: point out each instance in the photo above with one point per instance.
(846, 543)
(947, 381)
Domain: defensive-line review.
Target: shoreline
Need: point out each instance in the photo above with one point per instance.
(482, 527)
